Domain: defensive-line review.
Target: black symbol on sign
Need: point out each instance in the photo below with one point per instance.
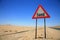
(40, 14)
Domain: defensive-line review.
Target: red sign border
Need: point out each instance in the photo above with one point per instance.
(40, 16)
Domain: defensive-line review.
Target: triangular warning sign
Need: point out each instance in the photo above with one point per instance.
(40, 13)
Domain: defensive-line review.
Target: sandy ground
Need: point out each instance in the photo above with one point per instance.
(27, 33)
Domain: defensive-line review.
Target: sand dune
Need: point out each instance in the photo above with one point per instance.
(8, 32)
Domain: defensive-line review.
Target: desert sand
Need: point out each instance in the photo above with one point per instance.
(10, 32)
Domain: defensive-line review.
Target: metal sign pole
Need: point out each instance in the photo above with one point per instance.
(44, 28)
(36, 30)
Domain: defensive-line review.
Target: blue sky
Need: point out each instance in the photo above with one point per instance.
(20, 12)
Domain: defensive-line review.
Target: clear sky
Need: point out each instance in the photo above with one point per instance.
(20, 12)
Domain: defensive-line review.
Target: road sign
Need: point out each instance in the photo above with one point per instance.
(40, 13)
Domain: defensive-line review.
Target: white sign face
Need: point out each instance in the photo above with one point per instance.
(40, 12)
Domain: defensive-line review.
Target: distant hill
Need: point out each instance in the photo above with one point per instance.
(56, 27)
